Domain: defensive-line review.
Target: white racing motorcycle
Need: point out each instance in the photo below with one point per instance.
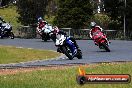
(67, 47)
(47, 33)
(6, 31)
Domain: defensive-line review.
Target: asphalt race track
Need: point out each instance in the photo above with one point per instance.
(120, 51)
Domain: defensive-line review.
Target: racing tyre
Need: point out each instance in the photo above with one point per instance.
(79, 54)
(12, 35)
(44, 38)
(1, 37)
(106, 47)
(66, 52)
(53, 37)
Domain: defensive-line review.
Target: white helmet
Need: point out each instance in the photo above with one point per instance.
(92, 24)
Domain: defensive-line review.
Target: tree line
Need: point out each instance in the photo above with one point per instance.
(77, 13)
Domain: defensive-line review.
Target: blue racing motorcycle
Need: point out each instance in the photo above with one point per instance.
(66, 46)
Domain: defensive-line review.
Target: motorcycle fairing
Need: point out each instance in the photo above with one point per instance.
(71, 45)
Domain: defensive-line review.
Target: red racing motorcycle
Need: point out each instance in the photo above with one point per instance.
(101, 40)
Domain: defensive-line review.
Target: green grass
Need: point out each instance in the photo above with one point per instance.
(64, 78)
(15, 55)
(10, 14)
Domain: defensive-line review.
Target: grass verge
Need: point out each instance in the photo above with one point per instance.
(10, 14)
(10, 54)
(64, 78)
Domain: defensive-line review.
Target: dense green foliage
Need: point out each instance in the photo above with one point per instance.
(4, 2)
(73, 13)
(102, 20)
(10, 14)
(30, 10)
(129, 15)
(115, 9)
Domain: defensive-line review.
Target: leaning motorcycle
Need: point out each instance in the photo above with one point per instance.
(101, 40)
(6, 31)
(67, 47)
(46, 33)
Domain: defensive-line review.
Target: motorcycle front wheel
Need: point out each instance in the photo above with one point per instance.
(12, 35)
(105, 47)
(66, 52)
(79, 54)
(44, 37)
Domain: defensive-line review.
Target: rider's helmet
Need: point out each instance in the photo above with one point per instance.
(56, 29)
(92, 24)
(40, 19)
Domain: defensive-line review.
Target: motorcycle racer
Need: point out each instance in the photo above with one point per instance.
(41, 25)
(45, 30)
(1, 22)
(61, 32)
(4, 26)
(94, 30)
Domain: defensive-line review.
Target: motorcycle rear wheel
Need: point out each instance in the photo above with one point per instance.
(44, 39)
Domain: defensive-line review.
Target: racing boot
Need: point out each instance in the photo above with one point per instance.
(96, 43)
(59, 50)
